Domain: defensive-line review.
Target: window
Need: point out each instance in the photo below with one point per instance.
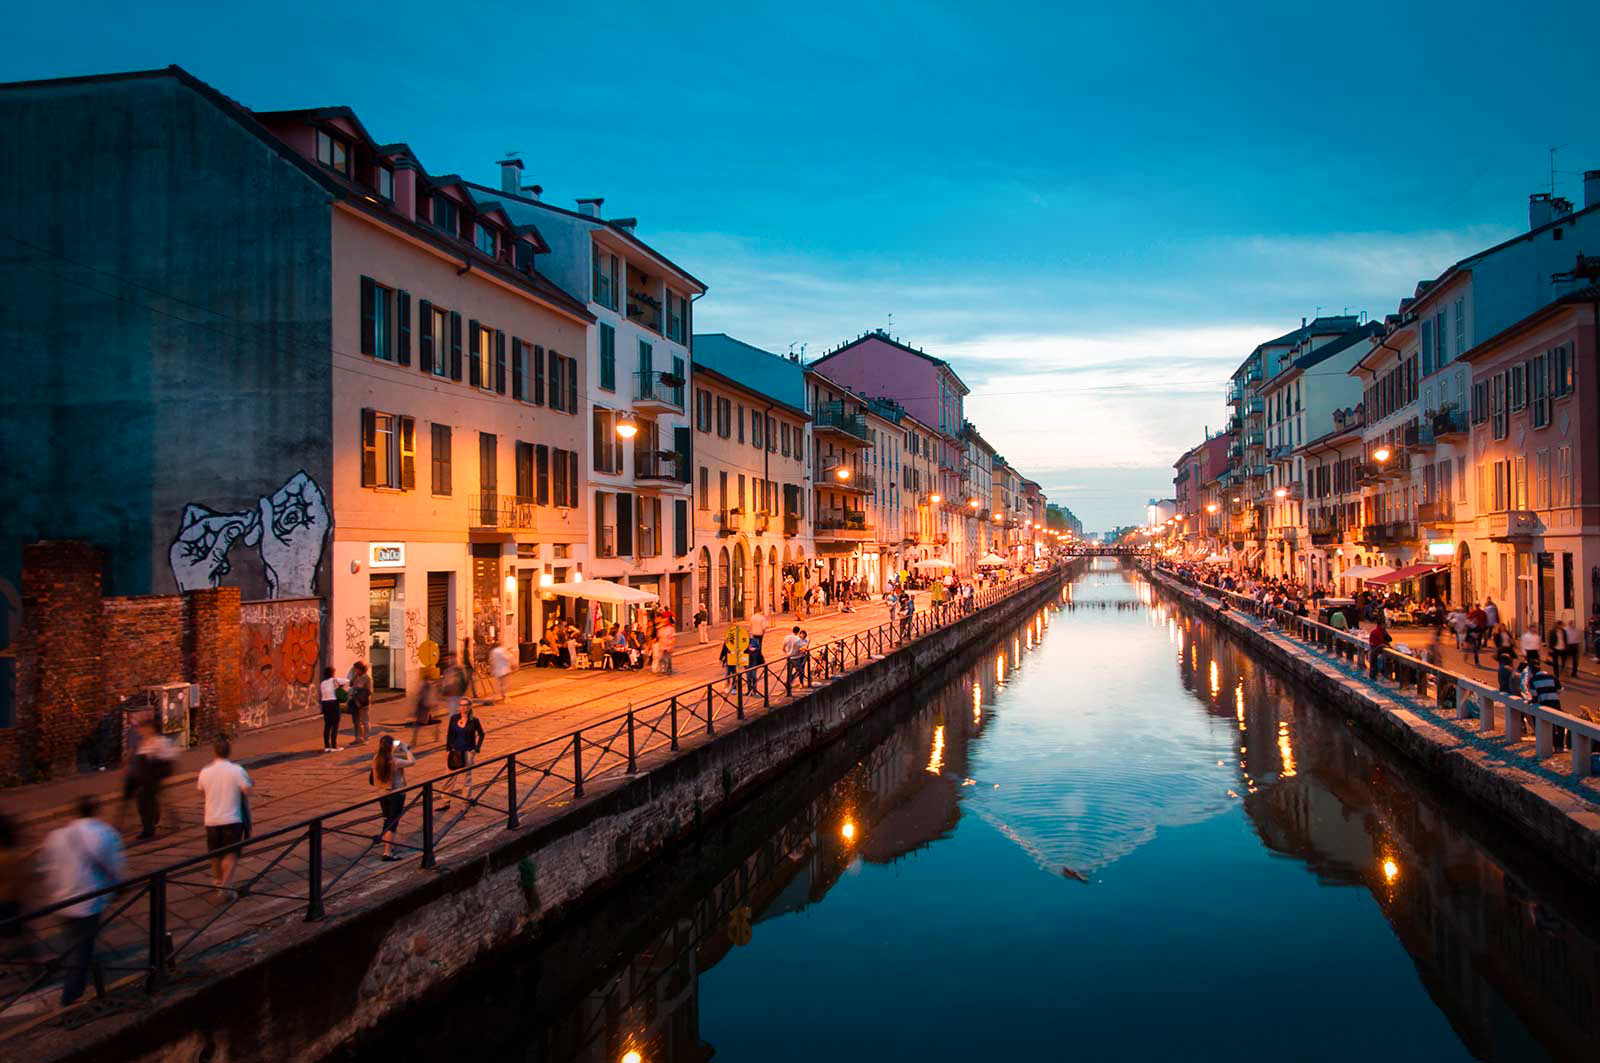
(702, 409)
(444, 213)
(1538, 398)
(333, 152)
(383, 181)
(738, 421)
(541, 474)
(388, 450)
(705, 488)
(484, 239)
(1497, 405)
(1461, 326)
(1560, 363)
(564, 472)
(1427, 347)
(1563, 485)
(608, 357)
(1541, 480)
(784, 439)
(558, 389)
(1440, 354)
(680, 527)
(722, 491)
(488, 463)
(525, 480)
(605, 278)
(377, 320)
(439, 458)
(482, 352)
(1480, 402)
(755, 429)
(677, 315)
(607, 447)
(724, 417)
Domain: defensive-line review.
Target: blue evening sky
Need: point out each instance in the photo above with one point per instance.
(1093, 210)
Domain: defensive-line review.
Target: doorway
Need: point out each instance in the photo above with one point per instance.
(382, 599)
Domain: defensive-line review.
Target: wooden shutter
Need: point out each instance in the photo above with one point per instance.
(455, 345)
(425, 327)
(402, 313)
(500, 361)
(572, 478)
(541, 468)
(555, 381)
(408, 453)
(683, 443)
(680, 527)
(369, 448)
(369, 314)
(524, 471)
(474, 354)
(624, 524)
(538, 375)
(572, 385)
(516, 368)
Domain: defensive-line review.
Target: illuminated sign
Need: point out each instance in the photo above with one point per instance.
(386, 555)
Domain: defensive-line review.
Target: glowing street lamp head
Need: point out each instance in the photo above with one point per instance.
(1211, 507)
(1282, 492)
(936, 499)
(842, 472)
(848, 831)
(627, 427)
(973, 502)
(1382, 454)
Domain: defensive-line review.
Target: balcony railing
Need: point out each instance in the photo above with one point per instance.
(1255, 438)
(501, 512)
(1255, 404)
(1513, 524)
(853, 480)
(843, 524)
(1389, 534)
(1436, 513)
(1450, 423)
(1324, 533)
(656, 465)
(652, 387)
(832, 416)
(1279, 452)
(1418, 437)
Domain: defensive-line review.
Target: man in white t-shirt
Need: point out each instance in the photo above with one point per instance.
(794, 652)
(225, 785)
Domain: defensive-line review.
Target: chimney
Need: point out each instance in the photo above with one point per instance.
(1540, 211)
(533, 191)
(590, 208)
(1591, 188)
(625, 223)
(1560, 207)
(510, 175)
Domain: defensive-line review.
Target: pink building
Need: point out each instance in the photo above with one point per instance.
(1535, 545)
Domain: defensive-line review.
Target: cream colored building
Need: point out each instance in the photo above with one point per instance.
(840, 441)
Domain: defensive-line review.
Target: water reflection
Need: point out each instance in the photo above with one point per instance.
(952, 857)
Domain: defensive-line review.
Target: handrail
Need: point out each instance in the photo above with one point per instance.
(507, 784)
(1448, 688)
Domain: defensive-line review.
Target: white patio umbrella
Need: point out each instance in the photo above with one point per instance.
(1217, 559)
(933, 562)
(603, 590)
(1366, 571)
(990, 560)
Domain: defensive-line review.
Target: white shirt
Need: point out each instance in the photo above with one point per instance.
(224, 784)
(758, 624)
(792, 644)
(330, 686)
(1530, 641)
(83, 856)
(499, 661)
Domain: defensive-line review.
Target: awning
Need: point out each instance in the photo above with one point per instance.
(1217, 559)
(990, 560)
(1365, 571)
(933, 562)
(1400, 575)
(603, 590)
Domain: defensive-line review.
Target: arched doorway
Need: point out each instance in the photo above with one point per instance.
(738, 581)
(702, 572)
(722, 585)
(1464, 578)
(758, 560)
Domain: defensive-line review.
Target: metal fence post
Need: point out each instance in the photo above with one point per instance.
(711, 708)
(314, 871)
(766, 686)
(633, 759)
(674, 712)
(738, 693)
(513, 819)
(427, 824)
(577, 763)
(158, 931)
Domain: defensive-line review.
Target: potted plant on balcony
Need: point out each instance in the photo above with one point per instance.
(671, 379)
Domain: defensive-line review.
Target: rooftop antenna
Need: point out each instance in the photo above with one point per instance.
(890, 326)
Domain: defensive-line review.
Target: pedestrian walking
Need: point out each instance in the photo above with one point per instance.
(1491, 612)
(453, 685)
(500, 667)
(794, 657)
(1531, 643)
(666, 642)
(82, 857)
(388, 773)
(333, 693)
(754, 656)
(908, 610)
(430, 699)
(463, 742)
(148, 768)
(226, 787)
(360, 703)
(702, 622)
(1572, 638)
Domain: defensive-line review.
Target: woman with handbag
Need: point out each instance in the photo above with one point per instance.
(464, 741)
(388, 772)
(360, 701)
(333, 693)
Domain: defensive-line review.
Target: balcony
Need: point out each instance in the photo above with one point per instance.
(1419, 437)
(657, 392)
(1253, 405)
(1436, 513)
(1280, 452)
(1252, 374)
(1450, 424)
(1259, 470)
(831, 418)
(852, 480)
(657, 466)
(1255, 438)
(1326, 533)
(1394, 533)
(1235, 423)
(791, 525)
(1514, 525)
(843, 524)
(500, 513)
(729, 521)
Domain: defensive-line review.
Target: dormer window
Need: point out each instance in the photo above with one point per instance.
(383, 181)
(444, 214)
(484, 239)
(524, 255)
(333, 152)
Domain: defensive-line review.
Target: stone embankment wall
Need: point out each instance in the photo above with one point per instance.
(298, 991)
(1551, 819)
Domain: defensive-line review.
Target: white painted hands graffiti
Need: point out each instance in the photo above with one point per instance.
(290, 528)
(199, 555)
(294, 525)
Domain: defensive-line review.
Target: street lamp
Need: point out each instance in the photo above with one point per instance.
(627, 427)
(973, 502)
(936, 499)
(1381, 455)
(842, 472)
(1282, 492)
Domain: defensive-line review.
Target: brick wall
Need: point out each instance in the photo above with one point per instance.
(79, 654)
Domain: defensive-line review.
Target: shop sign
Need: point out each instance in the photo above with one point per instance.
(386, 555)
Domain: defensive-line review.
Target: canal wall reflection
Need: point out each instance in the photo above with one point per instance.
(1508, 949)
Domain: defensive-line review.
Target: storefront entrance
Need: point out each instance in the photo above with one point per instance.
(485, 603)
(384, 604)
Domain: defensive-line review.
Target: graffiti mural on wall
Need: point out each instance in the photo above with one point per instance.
(289, 528)
(279, 651)
(355, 636)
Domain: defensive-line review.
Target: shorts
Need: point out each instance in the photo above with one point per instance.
(224, 836)
(394, 806)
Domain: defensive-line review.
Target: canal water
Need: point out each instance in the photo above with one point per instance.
(1114, 836)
